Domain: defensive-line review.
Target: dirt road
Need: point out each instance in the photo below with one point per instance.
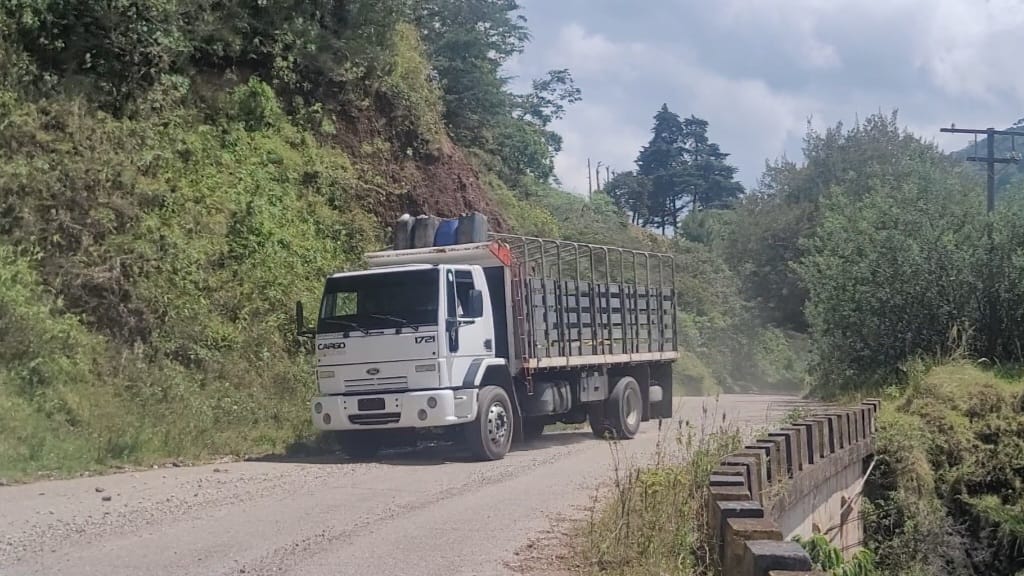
(421, 512)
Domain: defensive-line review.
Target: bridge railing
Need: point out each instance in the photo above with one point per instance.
(804, 478)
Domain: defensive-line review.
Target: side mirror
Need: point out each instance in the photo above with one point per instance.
(300, 323)
(475, 305)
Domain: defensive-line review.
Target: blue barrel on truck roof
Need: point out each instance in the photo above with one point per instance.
(446, 232)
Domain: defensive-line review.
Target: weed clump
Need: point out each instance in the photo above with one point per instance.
(654, 520)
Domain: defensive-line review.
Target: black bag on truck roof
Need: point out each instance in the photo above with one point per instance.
(472, 229)
(403, 233)
(423, 231)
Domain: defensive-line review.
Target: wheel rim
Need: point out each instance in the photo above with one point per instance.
(631, 404)
(497, 424)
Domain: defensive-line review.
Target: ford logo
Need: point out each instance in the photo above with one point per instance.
(373, 371)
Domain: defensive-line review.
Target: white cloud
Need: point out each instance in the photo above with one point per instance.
(589, 53)
(801, 41)
(757, 69)
(750, 119)
(973, 49)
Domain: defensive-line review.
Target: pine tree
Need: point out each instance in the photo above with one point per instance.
(714, 184)
(662, 164)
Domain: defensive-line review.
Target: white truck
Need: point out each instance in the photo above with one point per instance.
(489, 341)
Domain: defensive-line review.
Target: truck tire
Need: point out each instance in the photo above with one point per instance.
(490, 435)
(619, 416)
(358, 444)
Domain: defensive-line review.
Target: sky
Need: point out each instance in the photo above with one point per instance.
(759, 70)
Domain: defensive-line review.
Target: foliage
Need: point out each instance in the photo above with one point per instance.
(767, 235)
(762, 243)
(630, 193)
(890, 270)
(469, 41)
(178, 245)
(897, 263)
(826, 556)
(946, 496)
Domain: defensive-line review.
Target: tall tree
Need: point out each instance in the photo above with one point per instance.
(662, 162)
(469, 41)
(712, 179)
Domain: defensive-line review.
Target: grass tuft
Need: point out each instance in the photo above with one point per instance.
(654, 520)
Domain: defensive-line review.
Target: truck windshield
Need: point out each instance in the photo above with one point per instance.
(387, 300)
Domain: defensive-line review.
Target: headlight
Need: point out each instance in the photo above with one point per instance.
(325, 374)
(426, 367)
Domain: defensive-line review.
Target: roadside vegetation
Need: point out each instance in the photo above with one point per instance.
(876, 247)
(948, 497)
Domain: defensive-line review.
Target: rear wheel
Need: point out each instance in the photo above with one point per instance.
(490, 435)
(619, 416)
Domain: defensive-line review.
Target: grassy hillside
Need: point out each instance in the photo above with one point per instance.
(166, 250)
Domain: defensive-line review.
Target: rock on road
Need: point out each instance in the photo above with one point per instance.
(427, 511)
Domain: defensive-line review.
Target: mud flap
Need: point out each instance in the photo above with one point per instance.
(661, 375)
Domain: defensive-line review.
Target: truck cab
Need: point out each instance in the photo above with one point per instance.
(393, 346)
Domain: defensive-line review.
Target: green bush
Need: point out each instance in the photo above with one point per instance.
(890, 270)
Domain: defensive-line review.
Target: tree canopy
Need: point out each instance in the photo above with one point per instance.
(679, 171)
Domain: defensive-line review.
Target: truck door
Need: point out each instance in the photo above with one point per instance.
(469, 332)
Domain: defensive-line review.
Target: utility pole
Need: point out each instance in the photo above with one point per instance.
(597, 174)
(590, 181)
(990, 160)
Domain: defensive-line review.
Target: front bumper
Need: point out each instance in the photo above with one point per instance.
(413, 409)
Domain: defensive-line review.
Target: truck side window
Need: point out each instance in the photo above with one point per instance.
(463, 284)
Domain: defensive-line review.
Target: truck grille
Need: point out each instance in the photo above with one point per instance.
(382, 384)
(375, 419)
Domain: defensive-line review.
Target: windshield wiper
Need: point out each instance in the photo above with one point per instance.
(347, 323)
(401, 321)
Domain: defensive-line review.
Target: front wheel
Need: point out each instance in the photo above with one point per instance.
(489, 437)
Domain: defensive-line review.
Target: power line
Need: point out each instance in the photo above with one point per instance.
(990, 159)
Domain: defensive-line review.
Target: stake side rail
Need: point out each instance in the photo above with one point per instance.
(586, 305)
